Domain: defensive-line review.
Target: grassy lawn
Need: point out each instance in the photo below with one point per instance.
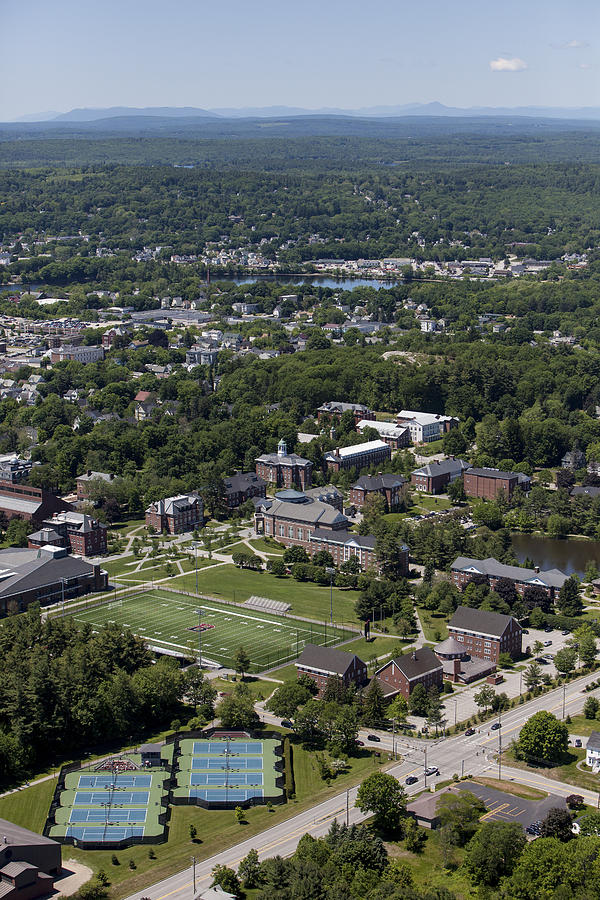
(271, 547)
(581, 725)
(509, 787)
(430, 449)
(307, 599)
(217, 829)
(433, 625)
(568, 772)
(428, 867)
(379, 646)
(392, 518)
(259, 688)
(287, 673)
(430, 503)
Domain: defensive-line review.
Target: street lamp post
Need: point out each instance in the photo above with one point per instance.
(196, 552)
(331, 572)
(199, 614)
(564, 699)
(194, 873)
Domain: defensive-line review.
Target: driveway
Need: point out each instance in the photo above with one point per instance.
(509, 808)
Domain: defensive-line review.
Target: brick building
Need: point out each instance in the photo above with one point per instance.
(322, 663)
(292, 517)
(435, 477)
(464, 569)
(328, 494)
(86, 481)
(396, 436)
(243, 486)
(45, 576)
(343, 545)
(176, 514)
(487, 484)
(360, 456)
(391, 487)
(78, 532)
(284, 469)
(485, 634)
(334, 410)
(402, 674)
(29, 503)
(83, 354)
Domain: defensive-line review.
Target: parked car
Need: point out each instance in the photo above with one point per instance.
(566, 631)
(412, 779)
(525, 631)
(547, 643)
(496, 726)
(548, 629)
(578, 742)
(285, 723)
(432, 770)
(373, 737)
(469, 732)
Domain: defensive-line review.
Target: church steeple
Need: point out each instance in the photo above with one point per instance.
(282, 448)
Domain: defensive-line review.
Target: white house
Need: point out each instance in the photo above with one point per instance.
(592, 751)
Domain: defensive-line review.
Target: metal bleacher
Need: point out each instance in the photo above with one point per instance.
(272, 606)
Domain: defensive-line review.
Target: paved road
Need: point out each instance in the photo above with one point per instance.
(473, 755)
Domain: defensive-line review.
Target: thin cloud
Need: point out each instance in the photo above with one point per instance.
(503, 64)
(575, 45)
(585, 65)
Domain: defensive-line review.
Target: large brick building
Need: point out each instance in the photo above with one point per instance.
(488, 484)
(396, 436)
(243, 486)
(465, 569)
(292, 517)
(29, 863)
(436, 476)
(77, 532)
(343, 545)
(360, 456)
(29, 503)
(334, 410)
(485, 634)
(176, 514)
(323, 663)
(89, 480)
(284, 469)
(391, 487)
(45, 576)
(402, 674)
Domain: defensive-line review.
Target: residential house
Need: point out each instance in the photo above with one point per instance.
(488, 484)
(323, 663)
(573, 459)
(360, 456)
(425, 427)
(86, 481)
(145, 404)
(176, 514)
(485, 634)
(592, 751)
(391, 487)
(585, 490)
(284, 469)
(243, 486)
(403, 673)
(435, 477)
(464, 569)
(396, 436)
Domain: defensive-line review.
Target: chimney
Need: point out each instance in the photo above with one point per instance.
(456, 667)
(337, 451)
(414, 655)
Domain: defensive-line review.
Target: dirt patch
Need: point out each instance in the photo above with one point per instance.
(74, 874)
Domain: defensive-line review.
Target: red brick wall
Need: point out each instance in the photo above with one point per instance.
(488, 488)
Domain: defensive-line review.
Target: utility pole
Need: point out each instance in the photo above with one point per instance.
(331, 572)
(564, 699)
(394, 738)
(500, 747)
(62, 585)
(347, 806)
(196, 552)
(194, 873)
(425, 767)
(199, 614)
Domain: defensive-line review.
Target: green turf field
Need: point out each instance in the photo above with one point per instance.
(165, 620)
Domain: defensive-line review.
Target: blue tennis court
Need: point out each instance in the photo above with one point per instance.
(91, 782)
(221, 795)
(116, 798)
(203, 747)
(102, 834)
(253, 778)
(243, 762)
(110, 815)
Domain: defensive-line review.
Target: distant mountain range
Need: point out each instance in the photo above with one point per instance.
(273, 112)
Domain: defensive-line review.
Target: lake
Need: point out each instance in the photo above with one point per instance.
(548, 553)
(342, 284)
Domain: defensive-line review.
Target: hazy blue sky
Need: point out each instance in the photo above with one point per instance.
(349, 53)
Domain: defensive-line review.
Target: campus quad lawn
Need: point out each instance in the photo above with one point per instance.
(432, 625)
(167, 620)
(273, 549)
(307, 599)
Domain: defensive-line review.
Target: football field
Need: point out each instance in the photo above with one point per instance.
(169, 621)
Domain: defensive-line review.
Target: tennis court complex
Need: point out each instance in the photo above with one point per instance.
(228, 772)
(109, 806)
(169, 622)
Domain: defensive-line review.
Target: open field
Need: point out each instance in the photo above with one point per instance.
(169, 621)
(568, 772)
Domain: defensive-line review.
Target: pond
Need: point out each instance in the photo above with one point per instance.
(549, 553)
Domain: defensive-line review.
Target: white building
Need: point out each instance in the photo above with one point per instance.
(592, 751)
(425, 427)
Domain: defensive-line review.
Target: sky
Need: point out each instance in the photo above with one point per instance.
(313, 53)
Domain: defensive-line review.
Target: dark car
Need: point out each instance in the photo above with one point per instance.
(412, 779)
(373, 737)
(525, 630)
(469, 732)
(578, 742)
(360, 743)
(548, 629)
(496, 726)
(285, 723)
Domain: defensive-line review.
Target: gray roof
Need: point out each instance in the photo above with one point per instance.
(498, 473)
(46, 536)
(328, 660)
(593, 742)
(91, 476)
(170, 505)
(241, 481)
(491, 567)
(449, 646)
(365, 541)
(481, 621)
(379, 482)
(444, 467)
(586, 490)
(313, 512)
(22, 836)
(12, 869)
(42, 571)
(415, 664)
(337, 407)
(290, 459)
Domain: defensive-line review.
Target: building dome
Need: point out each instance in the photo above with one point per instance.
(291, 496)
(450, 649)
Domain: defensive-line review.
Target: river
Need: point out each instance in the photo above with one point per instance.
(549, 553)
(342, 284)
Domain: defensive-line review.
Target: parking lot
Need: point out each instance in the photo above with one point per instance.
(509, 808)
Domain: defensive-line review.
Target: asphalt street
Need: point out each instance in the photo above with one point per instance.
(469, 755)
